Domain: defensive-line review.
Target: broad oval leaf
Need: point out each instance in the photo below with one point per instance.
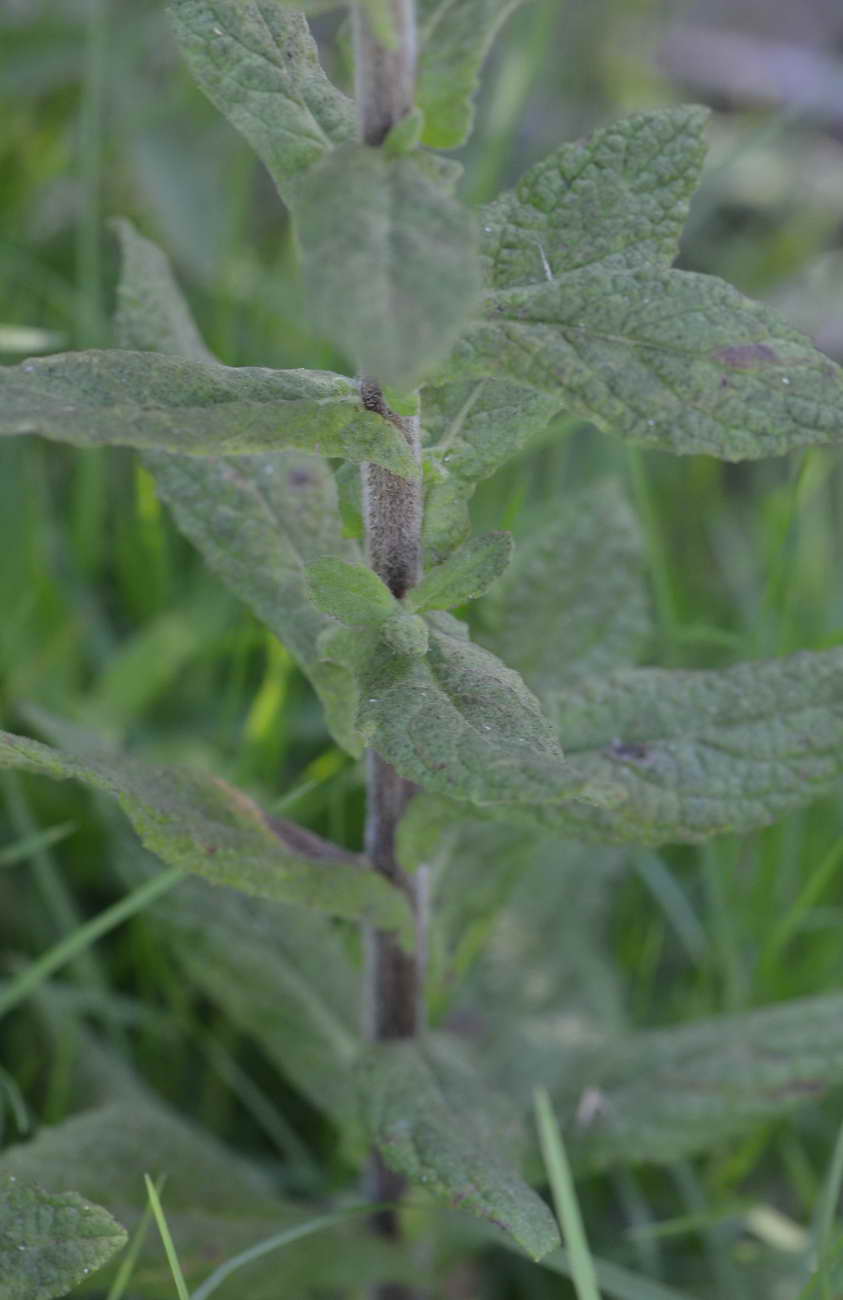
(201, 824)
(259, 65)
(699, 753)
(618, 199)
(50, 1241)
(454, 41)
(667, 359)
(665, 1094)
(389, 261)
(256, 519)
(573, 602)
(435, 1123)
(464, 575)
(158, 402)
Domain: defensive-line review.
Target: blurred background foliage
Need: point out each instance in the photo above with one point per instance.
(108, 618)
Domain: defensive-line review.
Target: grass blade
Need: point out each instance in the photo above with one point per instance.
(38, 971)
(166, 1238)
(558, 1169)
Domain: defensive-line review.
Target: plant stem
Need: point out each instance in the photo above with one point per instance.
(385, 85)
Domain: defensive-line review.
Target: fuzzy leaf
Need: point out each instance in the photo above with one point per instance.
(702, 753)
(259, 65)
(50, 1242)
(199, 823)
(151, 314)
(282, 976)
(667, 359)
(428, 1121)
(618, 199)
(148, 400)
(388, 259)
(352, 593)
(477, 428)
(573, 601)
(406, 634)
(662, 1095)
(454, 40)
(256, 519)
(465, 575)
(459, 722)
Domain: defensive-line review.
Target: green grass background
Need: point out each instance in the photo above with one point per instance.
(107, 616)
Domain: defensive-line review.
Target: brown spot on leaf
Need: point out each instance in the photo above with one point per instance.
(631, 752)
(748, 356)
(299, 477)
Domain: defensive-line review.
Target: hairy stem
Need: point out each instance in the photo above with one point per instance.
(385, 84)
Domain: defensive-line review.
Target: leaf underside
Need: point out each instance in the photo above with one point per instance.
(201, 824)
(158, 402)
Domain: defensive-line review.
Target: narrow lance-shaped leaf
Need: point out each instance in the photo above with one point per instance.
(454, 40)
(436, 1124)
(389, 261)
(665, 358)
(465, 575)
(148, 400)
(457, 721)
(573, 602)
(701, 753)
(662, 1095)
(201, 824)
(259, 65)
(258, 520)
(50, 1241)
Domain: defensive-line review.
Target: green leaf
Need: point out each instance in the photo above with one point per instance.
(259, 65)
(662, 1095)
(434, 1122)
(702, 753)
(198, 823)
(148, 400)
(49, 1242)
(217, 1203)
(388, 259)
(477, 428)
(667, 359)
(618, 199)
(406, 634)
(352, 593)
(283, 977)
(465, 575)
(258, 520)
(459, 722)
(573, 602)
(455, 39)
(151, 314)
